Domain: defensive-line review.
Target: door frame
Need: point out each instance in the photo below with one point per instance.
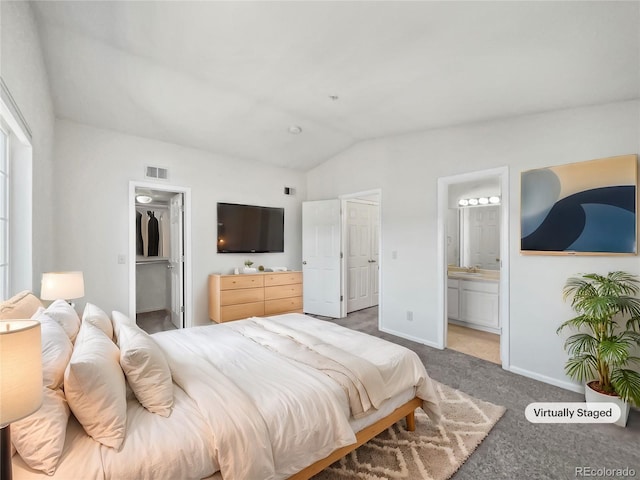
(187, 273)
(443, 204)
(343, 240)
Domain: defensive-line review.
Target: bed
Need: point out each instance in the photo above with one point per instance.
(262, 398)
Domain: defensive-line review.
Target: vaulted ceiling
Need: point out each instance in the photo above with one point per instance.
(232, 77)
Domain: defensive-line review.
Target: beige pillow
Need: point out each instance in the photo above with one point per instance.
(39, 438)
(118, 319)
(20, 306)
(66, 316)
(95, 386)
(99, 318)
(56, 350)
(146, 369)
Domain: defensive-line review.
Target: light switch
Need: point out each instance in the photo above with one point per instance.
(122, 259)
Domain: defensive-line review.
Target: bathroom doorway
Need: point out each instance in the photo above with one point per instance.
(473, 263)
(159, 290)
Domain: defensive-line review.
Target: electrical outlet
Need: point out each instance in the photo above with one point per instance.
(409, 316)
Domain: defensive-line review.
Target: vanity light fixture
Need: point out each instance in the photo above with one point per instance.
(143, 198)
(474, 202)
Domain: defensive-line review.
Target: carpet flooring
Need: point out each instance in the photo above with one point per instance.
(516, 449)
(431, 452)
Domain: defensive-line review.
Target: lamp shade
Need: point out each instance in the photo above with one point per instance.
(64, 285)
(20, 369)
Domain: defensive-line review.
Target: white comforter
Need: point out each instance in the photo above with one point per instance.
(264, 426)
(242, 408)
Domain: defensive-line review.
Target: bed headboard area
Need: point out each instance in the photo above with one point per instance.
(22, 305)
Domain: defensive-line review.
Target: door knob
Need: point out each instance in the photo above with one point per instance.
(304, 262)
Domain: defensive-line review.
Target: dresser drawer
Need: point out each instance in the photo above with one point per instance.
(282, 291)
(284, 278)
(234, 297)
(245, 310)
(241, 295)
(230, 282)
(272, 307)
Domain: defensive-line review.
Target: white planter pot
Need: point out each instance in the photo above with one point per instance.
(590, 395)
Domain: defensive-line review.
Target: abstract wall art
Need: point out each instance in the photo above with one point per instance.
(585, 208)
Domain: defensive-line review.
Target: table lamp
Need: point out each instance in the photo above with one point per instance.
(20, 380)
(62, 285)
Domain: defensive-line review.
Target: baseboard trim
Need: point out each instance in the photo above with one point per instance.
(410, 337)
(545, 379)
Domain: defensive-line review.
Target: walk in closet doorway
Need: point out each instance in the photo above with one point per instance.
(159, 247)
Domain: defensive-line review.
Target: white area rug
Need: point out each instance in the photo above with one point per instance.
(431, 452)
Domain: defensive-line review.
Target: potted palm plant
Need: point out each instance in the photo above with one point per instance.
(608, 320)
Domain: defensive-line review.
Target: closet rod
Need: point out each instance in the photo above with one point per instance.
(149, 262)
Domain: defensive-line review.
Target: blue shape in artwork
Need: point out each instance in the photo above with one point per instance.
(607, 229)
(540, 189)
(567, 220)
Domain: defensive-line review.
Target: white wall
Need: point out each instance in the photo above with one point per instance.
(22, 68)
(407, 167)
(93, 170)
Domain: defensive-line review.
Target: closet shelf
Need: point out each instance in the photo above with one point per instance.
(151, 260)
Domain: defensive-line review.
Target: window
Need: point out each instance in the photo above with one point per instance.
(4, 214)
(16, 198)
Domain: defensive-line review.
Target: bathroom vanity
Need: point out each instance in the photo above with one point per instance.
(473, 299)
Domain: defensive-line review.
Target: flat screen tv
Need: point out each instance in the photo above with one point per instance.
(250, 229)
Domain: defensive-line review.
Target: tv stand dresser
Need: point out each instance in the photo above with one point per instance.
(234, 297)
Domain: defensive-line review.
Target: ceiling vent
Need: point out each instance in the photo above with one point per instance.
(156, 172)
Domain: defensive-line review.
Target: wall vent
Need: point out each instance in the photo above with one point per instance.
(156, 172)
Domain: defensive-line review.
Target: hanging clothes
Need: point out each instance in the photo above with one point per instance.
(139, 243)
(144, 229)
(154, 235)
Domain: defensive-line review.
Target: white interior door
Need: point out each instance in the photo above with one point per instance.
(483, 225)
(176, 260)
(375, 254)
(361, 255)
(321, 238)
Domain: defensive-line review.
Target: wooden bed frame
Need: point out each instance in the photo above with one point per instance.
(407, 411)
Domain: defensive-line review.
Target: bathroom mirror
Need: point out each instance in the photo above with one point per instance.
(473, 225)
